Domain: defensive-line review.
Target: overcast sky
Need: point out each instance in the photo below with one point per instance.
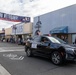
(30, 8)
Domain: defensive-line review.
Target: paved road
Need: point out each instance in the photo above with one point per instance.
(14, 60)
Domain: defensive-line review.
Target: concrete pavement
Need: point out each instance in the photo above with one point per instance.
(3, 71)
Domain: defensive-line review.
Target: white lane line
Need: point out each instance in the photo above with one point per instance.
(3, 71)
(1, 48)
(10, 50)
(12, 47)
(4, 50)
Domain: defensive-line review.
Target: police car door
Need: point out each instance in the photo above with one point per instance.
(44, 46)
(35, 43)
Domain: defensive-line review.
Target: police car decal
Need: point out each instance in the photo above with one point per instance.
(34, 46)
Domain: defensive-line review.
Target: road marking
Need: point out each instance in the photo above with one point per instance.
(13, 47)
(17, 58)
(10, 50)
(13, 56)
(3, 71)
(10, 55)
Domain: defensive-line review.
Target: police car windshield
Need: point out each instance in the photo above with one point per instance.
(56, 40)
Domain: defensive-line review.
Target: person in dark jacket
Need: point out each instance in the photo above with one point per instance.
(75, 40)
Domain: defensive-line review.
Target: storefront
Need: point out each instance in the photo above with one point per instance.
(2, 35)
(61, 32)
(60, 23)
(22, 31)
(8, 34)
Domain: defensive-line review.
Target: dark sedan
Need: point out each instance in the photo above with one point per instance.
(52, 47)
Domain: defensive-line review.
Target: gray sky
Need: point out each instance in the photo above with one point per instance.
(30, 8)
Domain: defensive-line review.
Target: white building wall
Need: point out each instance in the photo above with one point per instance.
(58, 18)
(22, 28)
(18, 30)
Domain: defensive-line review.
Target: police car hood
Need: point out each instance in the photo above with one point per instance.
(67, 46)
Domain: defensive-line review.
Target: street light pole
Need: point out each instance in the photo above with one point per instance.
(38, 25)
(14, 27)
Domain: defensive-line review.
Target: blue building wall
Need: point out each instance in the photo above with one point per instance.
(62, 17)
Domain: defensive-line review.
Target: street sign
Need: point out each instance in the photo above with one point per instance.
(14, 18)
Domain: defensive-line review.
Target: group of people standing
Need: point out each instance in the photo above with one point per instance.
(13, 40)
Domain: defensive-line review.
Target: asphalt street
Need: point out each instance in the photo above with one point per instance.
(13, 58)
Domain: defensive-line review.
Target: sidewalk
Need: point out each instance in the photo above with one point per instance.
(3, 71)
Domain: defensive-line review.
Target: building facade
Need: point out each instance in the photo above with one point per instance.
(61, 23)
(2, 35)
(8, 34)
(21, 30)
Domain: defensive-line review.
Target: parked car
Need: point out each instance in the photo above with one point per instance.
(52, 47)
